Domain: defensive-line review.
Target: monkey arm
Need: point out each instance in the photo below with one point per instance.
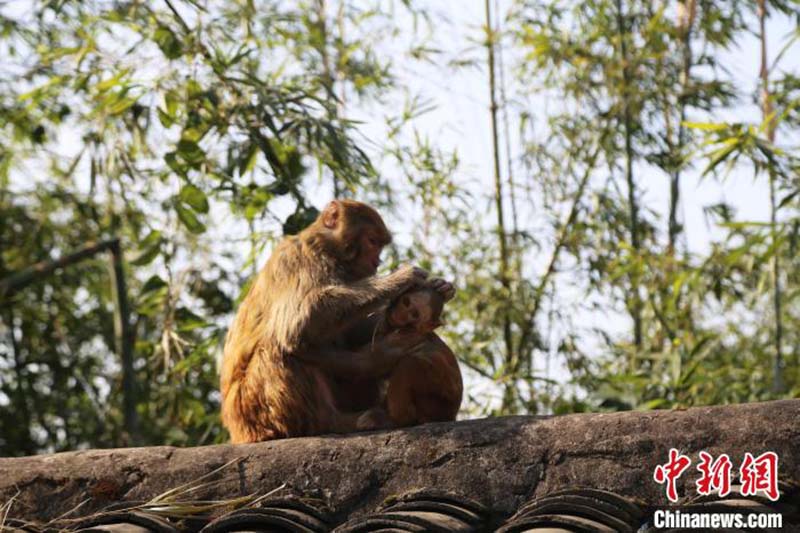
(319, 316)
(365, 296)
(359, 364)
(328, 312)
(375, 359)
(364, 330)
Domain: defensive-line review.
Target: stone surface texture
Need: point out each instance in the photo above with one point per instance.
(499, 462)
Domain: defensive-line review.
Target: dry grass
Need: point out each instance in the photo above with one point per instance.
(174, 505)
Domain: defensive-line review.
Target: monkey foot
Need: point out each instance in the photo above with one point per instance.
(375, 418)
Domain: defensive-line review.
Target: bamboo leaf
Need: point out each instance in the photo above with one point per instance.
(194, 198)
(706, 126)
(189, 219)
(718, 157)
(168, 42)
(788, 198)
(153, 283)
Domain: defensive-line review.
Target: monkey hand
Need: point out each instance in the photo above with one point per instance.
(387, 351)
(420, 351)
(445, 288)
(372, 419)
(408, 276)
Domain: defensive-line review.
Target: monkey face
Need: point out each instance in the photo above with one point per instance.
(355, 235)
(413, 310)
(368, 258)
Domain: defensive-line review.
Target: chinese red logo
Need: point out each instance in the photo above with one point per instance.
(670, 472)
(757, 474)
(760, 474)
(714, 475)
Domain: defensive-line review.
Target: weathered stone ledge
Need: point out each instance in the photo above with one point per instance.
(501, 462)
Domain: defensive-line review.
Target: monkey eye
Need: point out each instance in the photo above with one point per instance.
(406, 301)
(414, 314)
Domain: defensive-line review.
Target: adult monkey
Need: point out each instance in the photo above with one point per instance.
(275, 376)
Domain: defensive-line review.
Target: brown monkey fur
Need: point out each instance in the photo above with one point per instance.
(426, 385)
(275, 377)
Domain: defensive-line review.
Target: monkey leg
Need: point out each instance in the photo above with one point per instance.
(286, 400)
(369, 420)
(401, 392)
(332, 419)
(353, 394)
(372, 419)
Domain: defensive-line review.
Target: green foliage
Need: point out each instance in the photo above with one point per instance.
(707, 330)
(176, 126)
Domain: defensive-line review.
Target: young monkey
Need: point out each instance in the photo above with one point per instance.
(426, 385)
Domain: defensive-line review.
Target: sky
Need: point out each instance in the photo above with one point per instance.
(462, 121)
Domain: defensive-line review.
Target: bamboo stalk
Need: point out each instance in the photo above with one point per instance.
(515, 253)
(636, 309)
(766, 109)
(498, 197)
(327, 72)
(28, 446)
(124, 339)
(688, 10)
(512, 195)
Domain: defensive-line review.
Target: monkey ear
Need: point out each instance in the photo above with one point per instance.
(331, 214)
